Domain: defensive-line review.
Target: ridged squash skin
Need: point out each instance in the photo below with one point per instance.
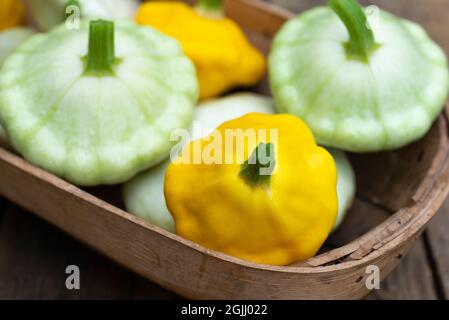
(10, 39)
(96, 128)
(384, 103)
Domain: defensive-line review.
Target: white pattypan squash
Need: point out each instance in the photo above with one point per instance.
(97, 105)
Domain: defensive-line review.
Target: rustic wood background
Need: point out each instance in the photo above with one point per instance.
(34, 255)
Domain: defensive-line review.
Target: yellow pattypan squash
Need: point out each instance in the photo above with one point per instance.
(223, 56)
(269, 198)
(12, 13)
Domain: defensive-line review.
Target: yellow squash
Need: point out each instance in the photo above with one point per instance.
(271, 200)
(12, 13)
(223, 56)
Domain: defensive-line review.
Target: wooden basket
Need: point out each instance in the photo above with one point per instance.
(410, 184)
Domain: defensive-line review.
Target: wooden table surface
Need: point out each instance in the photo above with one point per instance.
(34, 254)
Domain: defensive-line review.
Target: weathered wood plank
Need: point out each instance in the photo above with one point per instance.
(34, 255)
(3, 204)
(412, 279)
(146, 290)
(438, 237)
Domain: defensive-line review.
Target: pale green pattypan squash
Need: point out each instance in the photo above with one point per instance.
(359, 89)
(93, 112)
(346, 184)
(144, 195)
(10, 39)
(212, 113)
(47, 14)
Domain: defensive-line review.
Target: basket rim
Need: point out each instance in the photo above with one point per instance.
(426, 206)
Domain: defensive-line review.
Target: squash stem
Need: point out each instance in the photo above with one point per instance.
(361, 43)
(260, 165)
(210, 8)
(101, 54)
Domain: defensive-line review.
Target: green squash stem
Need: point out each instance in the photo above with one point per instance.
(361, 43)
(101, 54)
(211, 8)
(258, 168)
